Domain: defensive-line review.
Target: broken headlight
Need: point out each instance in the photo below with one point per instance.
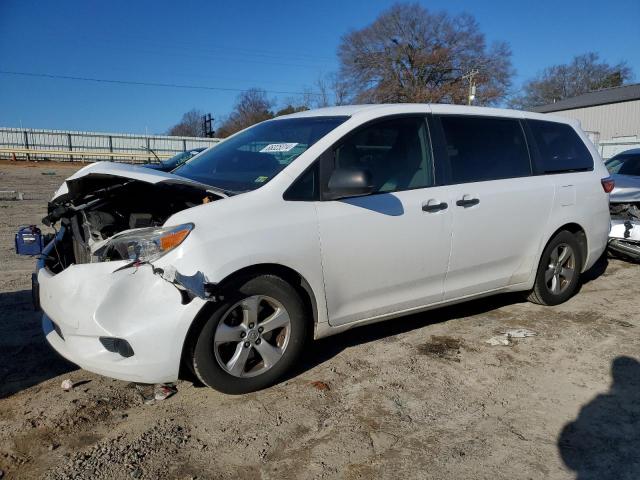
(143, 244)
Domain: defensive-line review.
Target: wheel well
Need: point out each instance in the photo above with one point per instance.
(296, 280)
(289, 275)
(581, 237)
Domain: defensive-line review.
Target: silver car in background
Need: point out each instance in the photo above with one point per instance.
(624, 238)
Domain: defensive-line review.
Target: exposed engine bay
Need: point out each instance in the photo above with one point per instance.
(99, 208)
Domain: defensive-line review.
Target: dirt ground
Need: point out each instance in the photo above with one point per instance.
(421, 397)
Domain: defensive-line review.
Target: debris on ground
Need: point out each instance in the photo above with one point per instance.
(519, 333)
(146, 393)
(442, 347)
(164, 391)
(47, 173)
(498, 340)
(151, 393)
(69, 384)
(66, 385)
(505, 336)
(322, 386)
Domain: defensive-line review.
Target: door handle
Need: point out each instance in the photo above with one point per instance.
(434, 207)
(467, 202)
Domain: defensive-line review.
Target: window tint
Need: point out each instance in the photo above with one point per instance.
(305, 188)
(485, 148)
(560, 147)
(624, 165)
(394, 152)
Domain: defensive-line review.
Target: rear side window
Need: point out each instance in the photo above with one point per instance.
(483, 148)
(560, 149)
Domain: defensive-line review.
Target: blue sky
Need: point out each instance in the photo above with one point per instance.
(276, 45)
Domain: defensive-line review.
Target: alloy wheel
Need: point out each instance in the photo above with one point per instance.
(561, 269)
(252, 336)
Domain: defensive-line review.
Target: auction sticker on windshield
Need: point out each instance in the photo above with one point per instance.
(278, 147)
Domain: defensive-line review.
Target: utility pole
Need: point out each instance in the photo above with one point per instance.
(472, 84)
(207, 122)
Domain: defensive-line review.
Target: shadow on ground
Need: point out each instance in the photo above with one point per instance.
(603, 442)
(598, 269)
(25, 357)
(327, 348)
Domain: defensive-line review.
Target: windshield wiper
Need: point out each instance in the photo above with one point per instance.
(154, 153)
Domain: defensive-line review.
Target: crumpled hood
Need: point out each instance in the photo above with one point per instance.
(626, 190)
(106, 174)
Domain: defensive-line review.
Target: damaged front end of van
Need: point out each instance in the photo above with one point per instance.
(112, 300)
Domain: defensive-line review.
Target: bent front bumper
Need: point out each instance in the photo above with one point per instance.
(85, 302)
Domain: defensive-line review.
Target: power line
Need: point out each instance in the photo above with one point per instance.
(191, 47)
(146, 84)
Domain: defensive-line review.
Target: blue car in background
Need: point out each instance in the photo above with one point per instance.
(175, 161)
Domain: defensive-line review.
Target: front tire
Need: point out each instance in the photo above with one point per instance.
(252, 338)
(559, 270)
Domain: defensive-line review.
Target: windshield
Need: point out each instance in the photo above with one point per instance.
(252, 158)
(624, 165)
(181, 157)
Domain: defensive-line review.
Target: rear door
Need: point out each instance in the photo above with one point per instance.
(499, 209)
(388, 251)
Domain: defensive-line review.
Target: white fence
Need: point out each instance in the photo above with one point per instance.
(65, 145)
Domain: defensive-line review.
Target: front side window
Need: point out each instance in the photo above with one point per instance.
(395, 152)
(485, 148)
(560, 148)
(252, 158)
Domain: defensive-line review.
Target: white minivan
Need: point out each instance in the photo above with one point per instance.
(309, 224)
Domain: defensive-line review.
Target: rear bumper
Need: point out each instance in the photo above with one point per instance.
(90, 301)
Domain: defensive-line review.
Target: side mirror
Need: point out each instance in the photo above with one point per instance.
(349, 182)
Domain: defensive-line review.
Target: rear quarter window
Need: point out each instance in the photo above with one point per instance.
(558, 148)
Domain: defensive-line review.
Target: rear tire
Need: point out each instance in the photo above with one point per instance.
(252, 338)
(558, 274)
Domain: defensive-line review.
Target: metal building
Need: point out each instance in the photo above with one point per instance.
(610, 116)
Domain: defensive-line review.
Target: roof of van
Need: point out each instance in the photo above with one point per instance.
(392, 108)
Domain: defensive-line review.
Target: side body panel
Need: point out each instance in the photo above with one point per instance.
(496, 242)
(383, 253)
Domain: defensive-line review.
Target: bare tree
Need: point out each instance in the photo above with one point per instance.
(583, 74)
(340, 90)
(252, 106)
(323, 97)
(331, 90)
(409, 54)
(304, 101)
(190, 125)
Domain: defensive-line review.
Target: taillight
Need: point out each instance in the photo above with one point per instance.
(608, 184)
